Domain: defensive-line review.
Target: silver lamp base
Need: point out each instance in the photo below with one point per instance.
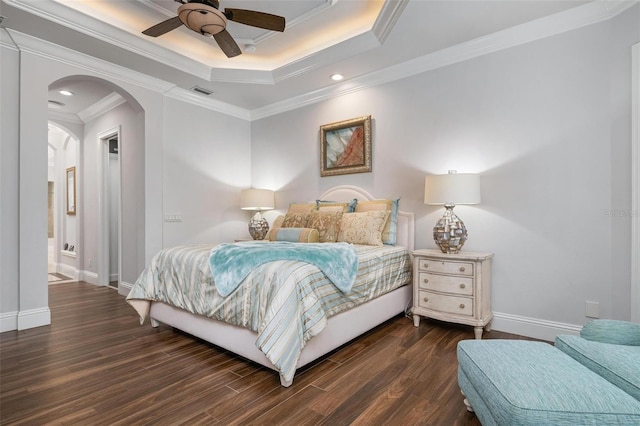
(450, 232)
(258, 227)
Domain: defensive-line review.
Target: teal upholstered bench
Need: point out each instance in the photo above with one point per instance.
(515, 382)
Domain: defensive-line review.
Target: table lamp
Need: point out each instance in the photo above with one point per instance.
(453, 188)
(258, 200)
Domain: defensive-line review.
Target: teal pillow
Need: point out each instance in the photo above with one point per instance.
(612, 331)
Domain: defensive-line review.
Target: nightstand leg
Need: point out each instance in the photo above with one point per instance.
(416, 320)
(478, 332)
(487, 327)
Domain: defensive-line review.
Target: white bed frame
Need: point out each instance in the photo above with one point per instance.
(340, 328)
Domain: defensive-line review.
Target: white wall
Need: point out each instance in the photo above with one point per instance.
(207, 160)
(546, 125)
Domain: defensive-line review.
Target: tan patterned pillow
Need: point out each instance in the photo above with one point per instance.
(363, 228)
(389, 231)
(295, 220)
(327, 224)
(301, 207)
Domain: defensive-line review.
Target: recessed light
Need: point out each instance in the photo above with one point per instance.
(337, 77)
(65, 92)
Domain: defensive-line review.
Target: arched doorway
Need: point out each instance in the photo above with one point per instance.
(99, 111)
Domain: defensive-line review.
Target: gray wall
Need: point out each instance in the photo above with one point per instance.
(546, 125)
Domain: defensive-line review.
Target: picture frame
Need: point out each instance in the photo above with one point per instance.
(71, 191)
(345, 147)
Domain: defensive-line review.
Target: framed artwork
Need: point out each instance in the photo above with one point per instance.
(345, 147)
(71, 191)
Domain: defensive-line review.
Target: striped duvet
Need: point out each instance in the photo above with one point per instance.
(285, 302)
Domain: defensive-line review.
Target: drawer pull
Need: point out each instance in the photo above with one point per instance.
(425, 280)
(462, 285)
(462, 269)
(426, 299)
(462, 306)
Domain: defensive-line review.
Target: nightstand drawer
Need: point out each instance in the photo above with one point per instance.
(443, 303)
(462, 268)
(446, 283)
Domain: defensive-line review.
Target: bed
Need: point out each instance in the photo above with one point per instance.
(332, 332)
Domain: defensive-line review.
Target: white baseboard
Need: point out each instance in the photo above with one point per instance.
(23, 320)
(8, 321)
(90, 277)
(67, 270)
(124, 288)
(532, 327)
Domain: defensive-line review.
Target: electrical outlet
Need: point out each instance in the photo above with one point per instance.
(592, 309)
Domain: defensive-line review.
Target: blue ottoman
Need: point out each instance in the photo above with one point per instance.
(515, 382)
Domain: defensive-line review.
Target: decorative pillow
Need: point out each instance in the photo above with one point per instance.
(301, 207)
(295, 220)
(327, 223)
(390, 231)
(346, 207)
(296, 235)
(363, 227)
(276, 224)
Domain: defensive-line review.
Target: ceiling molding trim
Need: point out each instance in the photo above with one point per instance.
(338, 52)
(235, 75)
(103, 106)
(389, 15)
(571, 19)
(6, 41)
(292, 23)
(109, 70)
(64, 117)
(212, 104)
(157, 8)
(53, 11)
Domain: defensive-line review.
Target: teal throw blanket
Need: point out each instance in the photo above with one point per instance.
(231, 263)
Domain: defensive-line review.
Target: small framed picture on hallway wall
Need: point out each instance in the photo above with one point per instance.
(345, 147)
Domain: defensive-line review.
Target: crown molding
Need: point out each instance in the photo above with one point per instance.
(103, 106)
(64, 116)
(571, 19)
(68, 17)
(389, 15)
(102, 68)
(212, 104)
(6, 42)
(110, 71)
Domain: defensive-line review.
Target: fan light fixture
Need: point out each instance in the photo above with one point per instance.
(66, 92)
(202, 18)
(258, 200)
(453, 188)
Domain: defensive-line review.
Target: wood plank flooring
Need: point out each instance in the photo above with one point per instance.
(95, 365)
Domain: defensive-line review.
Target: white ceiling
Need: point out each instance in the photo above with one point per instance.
(354, 37)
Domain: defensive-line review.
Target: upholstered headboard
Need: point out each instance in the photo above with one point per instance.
(405, 232)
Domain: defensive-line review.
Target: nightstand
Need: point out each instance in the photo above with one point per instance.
(453, 287)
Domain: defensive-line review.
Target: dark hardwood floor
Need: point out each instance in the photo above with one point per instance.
(95, 365)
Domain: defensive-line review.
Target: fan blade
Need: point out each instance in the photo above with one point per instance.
(256, 19)
(163, 27)
(227, 44)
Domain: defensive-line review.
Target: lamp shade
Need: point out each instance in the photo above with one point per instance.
(452, 188)
(257, 199)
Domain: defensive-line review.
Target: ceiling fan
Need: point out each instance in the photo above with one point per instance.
(204, 17)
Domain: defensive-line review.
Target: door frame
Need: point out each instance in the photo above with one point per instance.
(103, 206)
